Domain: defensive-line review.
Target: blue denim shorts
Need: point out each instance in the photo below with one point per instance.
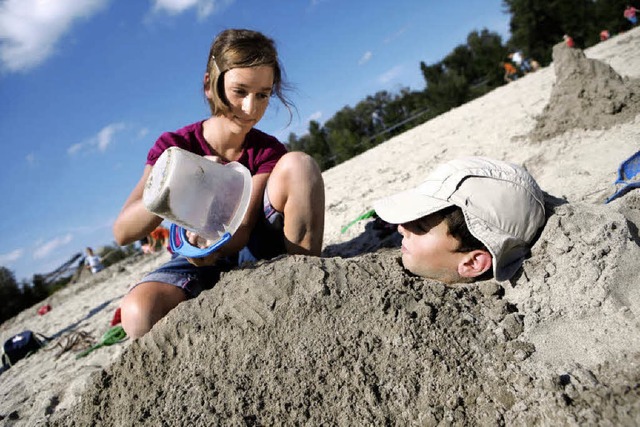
(266, 241)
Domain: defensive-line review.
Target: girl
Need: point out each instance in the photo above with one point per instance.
(286, 211)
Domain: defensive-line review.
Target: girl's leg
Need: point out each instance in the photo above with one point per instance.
(147, 303)
(296, 188)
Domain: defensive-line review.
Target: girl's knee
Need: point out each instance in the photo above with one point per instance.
(133, 318)
(296, 163)
(295, 176)
(147, 303)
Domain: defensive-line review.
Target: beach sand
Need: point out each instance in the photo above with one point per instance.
(353, 339)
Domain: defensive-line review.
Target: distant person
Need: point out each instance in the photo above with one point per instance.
(568, 40)
(159, 237)
(604, 35)
(535, 65)
(286, 211)
(470, 219)
(520, 61)
(93, 262)
(510, 72)
(376, 119)
(630, 14)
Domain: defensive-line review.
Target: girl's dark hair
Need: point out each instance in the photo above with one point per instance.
(235, 48)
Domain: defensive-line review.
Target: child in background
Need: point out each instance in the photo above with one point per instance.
(510, 72)
(286, 211)
(630, 14)
(93, 262)
(568, 40)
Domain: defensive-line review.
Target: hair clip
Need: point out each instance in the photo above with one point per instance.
(215, 64)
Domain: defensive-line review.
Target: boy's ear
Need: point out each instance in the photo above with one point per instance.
(474, 263)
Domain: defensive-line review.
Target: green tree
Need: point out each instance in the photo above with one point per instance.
(469, 71)
(319, 147)
(10, 294)
(343, 132)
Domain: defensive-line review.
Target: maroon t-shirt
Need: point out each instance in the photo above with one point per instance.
(260, 152)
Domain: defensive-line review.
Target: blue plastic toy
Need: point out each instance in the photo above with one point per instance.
(179, 243)
(627, 171)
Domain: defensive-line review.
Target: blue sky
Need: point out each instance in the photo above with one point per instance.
(86, 87)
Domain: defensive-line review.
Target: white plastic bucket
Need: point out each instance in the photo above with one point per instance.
(200, 195)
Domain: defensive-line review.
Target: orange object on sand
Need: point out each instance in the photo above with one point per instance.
(509, 68)
(160, 233)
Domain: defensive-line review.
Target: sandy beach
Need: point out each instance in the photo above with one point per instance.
(353, 339)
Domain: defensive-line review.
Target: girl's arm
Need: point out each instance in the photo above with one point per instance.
(134, 221)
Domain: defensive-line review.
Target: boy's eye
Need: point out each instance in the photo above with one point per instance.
(422, 226)
(418, 227)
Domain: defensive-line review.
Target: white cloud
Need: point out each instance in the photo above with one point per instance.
(8, 258)
(31, 29)
(396, 35)
(204, 8)
(365, 58)
(74, 149)
(315, 116)
(46, 248)
(143, 132)
(105, 136)
(390, 75)
(31, 159)
(101, 140)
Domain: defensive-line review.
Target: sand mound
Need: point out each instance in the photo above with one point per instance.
(334, 340)
(588, 94)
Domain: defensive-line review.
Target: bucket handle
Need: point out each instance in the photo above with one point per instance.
(180, 244)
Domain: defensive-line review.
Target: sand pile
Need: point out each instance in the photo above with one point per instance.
(315, 341)
(588, 94)
(351, 338)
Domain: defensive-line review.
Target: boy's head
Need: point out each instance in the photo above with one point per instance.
(470, 216)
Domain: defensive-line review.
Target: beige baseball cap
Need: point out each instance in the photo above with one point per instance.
(502, 205)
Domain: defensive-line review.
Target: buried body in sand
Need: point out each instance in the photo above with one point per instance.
(354, 338)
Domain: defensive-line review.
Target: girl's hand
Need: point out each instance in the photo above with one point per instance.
(201, 242)
(216, 159)
(206, 261)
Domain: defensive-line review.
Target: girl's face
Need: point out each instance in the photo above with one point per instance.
(248, 91)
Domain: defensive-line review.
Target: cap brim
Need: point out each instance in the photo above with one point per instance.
(408, 206)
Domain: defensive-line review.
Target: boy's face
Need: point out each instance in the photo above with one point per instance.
(428, 250)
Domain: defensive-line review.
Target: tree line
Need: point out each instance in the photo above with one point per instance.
(470, 70)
